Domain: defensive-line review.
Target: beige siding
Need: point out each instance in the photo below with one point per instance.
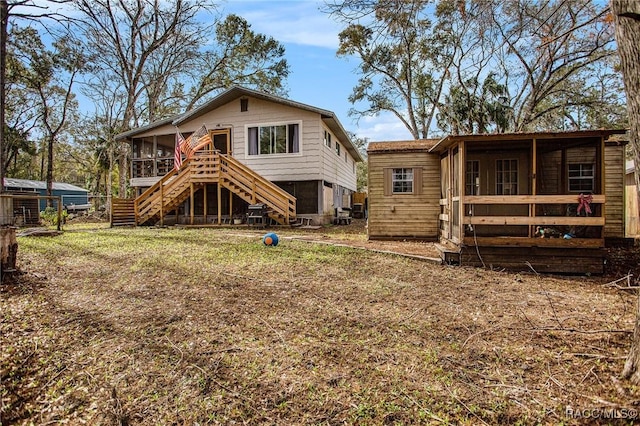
(614, 191)
(285, 167)
(313, 162)
(335, 168)
(406, 215)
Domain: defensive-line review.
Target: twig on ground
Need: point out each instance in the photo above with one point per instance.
(586, 375)
(478, 333)
(531, 267)
(176, 348)
(618, 386)
(553, 308)
(426, 410)
(465, 406)
(274, 330)
(598, 356)
(615, 284)
(575, 330)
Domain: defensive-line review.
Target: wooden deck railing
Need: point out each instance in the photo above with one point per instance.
(211, 167)
(151, 167)
(531, 218)
(262, 190)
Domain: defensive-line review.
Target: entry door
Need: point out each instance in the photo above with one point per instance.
(221, 140)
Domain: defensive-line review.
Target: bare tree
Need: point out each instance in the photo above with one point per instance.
(403, 61)
(50, 75)
(548, 54)
(153, 57)
(494, 59)
(20, 9)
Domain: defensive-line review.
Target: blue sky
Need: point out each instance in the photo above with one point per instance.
(317, 76)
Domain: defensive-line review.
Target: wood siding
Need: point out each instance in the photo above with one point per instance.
(614, 191)
(337, 169)
(632, 227)
(404, 215)
(311, 163)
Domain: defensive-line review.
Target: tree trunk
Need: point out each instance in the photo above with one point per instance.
(123, 170)
(4, 16)
(626, 14)
(50, 171)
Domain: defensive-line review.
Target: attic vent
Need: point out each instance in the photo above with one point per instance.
(244, 105)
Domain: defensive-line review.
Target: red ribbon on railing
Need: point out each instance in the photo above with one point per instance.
(584, 202)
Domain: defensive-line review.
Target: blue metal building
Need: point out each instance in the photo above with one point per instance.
(73, 197)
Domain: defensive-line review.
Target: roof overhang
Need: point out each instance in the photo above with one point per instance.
(452, 140)
(409, 146)
(138, 130)
(235, 92)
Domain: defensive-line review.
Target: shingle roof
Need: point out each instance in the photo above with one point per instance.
(402, 146)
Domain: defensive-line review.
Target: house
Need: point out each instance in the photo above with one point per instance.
(546, 201)
(27, 210)
(295, 158)
(632, 225)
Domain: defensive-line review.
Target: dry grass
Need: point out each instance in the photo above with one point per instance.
(185, 326)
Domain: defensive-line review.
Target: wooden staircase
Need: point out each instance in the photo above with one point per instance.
(211, 167)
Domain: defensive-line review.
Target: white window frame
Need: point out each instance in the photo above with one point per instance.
(273, 124)
(509, 182)
(472, 178)
(327, 139)
(399, 175)
(581, 177)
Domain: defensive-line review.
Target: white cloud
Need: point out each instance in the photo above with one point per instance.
(383, 127)
(297, 22)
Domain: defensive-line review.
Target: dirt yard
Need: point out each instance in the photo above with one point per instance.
(185, 326)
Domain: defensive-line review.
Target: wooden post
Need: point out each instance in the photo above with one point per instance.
(601, 189)
(59, 212)
(155, 155)
(219, 204)
(205, 203)
(192, 202)
(253, 190)
(534, 171)
(231, 206)
(461, 182)
(161, 204)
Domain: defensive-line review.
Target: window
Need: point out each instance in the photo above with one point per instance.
(506, 177)
(581, 177)
(338, 149)
(327, 139)
(346, 158)
(244, 105)
(472, 178)
(402, 181)
(280, 139)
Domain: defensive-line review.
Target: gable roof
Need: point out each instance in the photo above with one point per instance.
(419, 145)
(235, 92)
(38, 184)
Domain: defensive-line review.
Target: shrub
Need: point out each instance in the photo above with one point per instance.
(50, 216)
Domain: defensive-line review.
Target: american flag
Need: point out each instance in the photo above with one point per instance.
(198, 140)
(177, 154)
